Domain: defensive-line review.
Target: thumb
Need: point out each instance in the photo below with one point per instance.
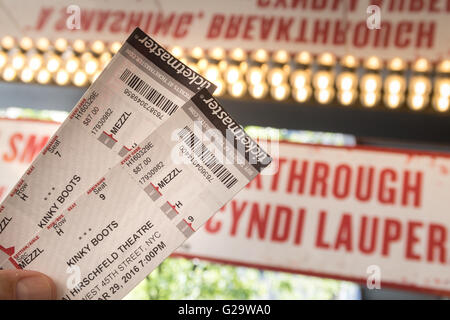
(26, 285)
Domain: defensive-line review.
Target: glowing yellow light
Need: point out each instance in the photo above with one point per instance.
(301, 94)
(26, 43)
(441, 103)
(326, 59)
(114, 47)
(35, 62)
(349, 61)
(260, 55)
(72, 64)
(212, 72)
(79, 46)
(217, 53)
(79, 78)
(177, 51)
(393, 100)
(91, 66)
(324, 96)
(420, 85)
(323, 79)
(221, 87)
(280, 92)
(444, 66)
(281, 56)
(442, 86)
(237, 89)
(62, 77)
(42, 44)
(373, 63)
(197, 53)
(232, 74)
(346, 97)
(300, 78)
(238, 54)
(396, 64)
(417, 101)
(8, 42)
(258, 90)
(3, 59)
(254, 75)
(346, 81)
(18, 61)
(276, 76)
(60, 44)
(53, 63)
(43, 76)
(26, 75)
(370, 82)
(202, 64)
(394, 84)
(98, 46)
(105, 58)
(9, 73)
(85, 57)
(422, 65)
(369, 99)
(303, 57)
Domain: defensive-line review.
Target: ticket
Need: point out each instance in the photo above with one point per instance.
(147, 205)
(141, 87)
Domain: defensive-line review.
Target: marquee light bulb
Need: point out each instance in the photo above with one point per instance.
(237, 89)
(212, 72)
(60, 44)
(258, 90)
(53, 63)
(394, 84)
(417, 101)
(323, 80)
(62, 77)
(232, 74)
(369, 99)
(300, 78)
(324, 96)
(91, 66)
(9, 73)
(105, 58)
(370, 82)
(346, 81)
(197, 53)
(8, 43)
(255, 75)
(441, 103)
(443, 66)
(349, 61)
(326, 59)
(26, 75)
(276, 76)
(98, 47)
(260, 55)
(237, 54)
(42, 44)
(303, 57)
(301, 94)
(280, 92)
(35, 62)
(443, 87)
(43, 76)
(72, 64)
(26, 43)
(18, 61)
(393, 100)
(420, 85)
(79, 78)
(217, 53)
(79, 46)
(346, 97)
(373, 63)
(421, 65)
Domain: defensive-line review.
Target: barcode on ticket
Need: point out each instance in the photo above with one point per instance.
(208, 158)
(148, 92)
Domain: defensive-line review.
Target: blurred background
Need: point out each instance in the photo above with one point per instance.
(370, 74)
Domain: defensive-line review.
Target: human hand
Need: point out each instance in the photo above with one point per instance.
(26, 285)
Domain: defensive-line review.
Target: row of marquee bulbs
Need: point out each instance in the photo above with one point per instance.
(259, 74)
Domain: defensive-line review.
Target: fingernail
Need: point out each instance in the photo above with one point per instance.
(34, 288)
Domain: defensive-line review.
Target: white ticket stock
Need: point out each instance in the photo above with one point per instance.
(139, 89)
(147, 205)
